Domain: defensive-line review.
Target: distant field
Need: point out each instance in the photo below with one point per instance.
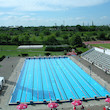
(101, 45)
(8, 50)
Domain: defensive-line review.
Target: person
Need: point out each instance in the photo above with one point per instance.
(74, 108)
(92, 63)
(82, 108)
(106, 107)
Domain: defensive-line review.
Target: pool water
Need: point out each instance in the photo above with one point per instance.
(54, 78)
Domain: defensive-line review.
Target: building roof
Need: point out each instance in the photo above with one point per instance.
(30, 46)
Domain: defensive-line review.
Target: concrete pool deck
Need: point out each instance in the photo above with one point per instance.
(11, 82)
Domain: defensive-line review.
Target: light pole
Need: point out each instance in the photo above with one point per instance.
(90, 69)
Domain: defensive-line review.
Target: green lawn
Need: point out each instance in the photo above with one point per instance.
(101, 45)
(82, 49)
(8, 47)
(8, 50)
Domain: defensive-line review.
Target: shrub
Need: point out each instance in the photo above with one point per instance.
(24, 54)
(83, 45)
(65, 52)
(50, 48)
(47, 54)
(2, 57)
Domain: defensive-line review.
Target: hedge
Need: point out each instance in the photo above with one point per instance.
(2, 57)
(57, 48)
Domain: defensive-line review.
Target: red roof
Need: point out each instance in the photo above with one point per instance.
(72, 53)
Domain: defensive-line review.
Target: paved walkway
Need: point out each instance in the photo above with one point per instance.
(7, 66)
(11, 79)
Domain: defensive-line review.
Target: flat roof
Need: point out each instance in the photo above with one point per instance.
(30, 46)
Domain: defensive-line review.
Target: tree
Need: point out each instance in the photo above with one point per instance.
(79, 28)
(6, 38)
(57, 34)
(22, 39)
(47, 32)
(50, 40)
(65, 37)
(76, 41)
(108, 37)
(33, 40)
(102, 36)
(15, 39)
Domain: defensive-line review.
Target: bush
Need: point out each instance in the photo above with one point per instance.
(79, 52)
(83, 45)
(19, 55)
(102, 36)
(48, 48)
(2, 57)
(47, 54)
(24, 54)
(65, 52)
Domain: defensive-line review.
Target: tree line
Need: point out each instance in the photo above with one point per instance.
(54, 35)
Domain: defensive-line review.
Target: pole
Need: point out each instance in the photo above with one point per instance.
(90, 69)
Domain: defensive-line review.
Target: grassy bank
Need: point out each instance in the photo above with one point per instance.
(10, 50)
(82, 49)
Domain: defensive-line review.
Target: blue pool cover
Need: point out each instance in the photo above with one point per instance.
(54, 78)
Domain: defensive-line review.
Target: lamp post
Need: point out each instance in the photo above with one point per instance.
(90, 69)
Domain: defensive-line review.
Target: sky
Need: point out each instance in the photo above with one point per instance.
(54, 12)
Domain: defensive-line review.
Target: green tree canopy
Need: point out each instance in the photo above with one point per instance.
(102, 36)
(76, 41)
(50, 40)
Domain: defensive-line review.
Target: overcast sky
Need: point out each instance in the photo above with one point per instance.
(49, 12)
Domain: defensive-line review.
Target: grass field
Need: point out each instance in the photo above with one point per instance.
(10, 50)
(101, 45)
(82, 49)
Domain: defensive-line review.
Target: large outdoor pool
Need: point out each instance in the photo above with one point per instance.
(54, 78)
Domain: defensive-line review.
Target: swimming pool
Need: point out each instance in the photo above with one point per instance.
(56, 78)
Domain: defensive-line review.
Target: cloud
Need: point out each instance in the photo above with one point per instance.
(79, 18)
(1, 13)
(29, 20)
(48, 5)
(103, 17)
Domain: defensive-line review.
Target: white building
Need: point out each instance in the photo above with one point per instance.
(2, 81)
